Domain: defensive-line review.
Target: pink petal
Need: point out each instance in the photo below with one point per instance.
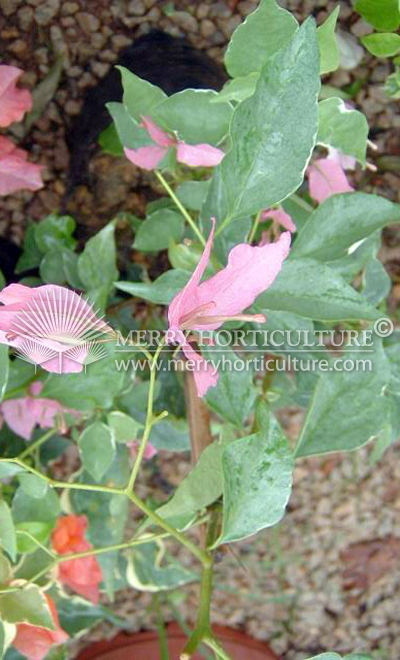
(15, 293)
(8, 147)
(14, 102)
(149, 451)
(250, 271)
(18, 416)
(35, 388)
(146, 157)
(17, 173)
(326, 178)
(199, 155)
(204, 373)
(281, 217)
(345, 161)
(160, 137)
(62, 365)
(185, 300)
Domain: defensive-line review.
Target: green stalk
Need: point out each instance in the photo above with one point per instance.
(255, 227)
(180, 206)
(149, 420)
(37, 444)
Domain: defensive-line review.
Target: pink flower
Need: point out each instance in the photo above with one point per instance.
(14, 102)
(16, 172)
(207, 305)
(149, 451)
(326, 177)
(196, 155)
(22, 415)
(83, 574)
(35, 642)
(50, 326)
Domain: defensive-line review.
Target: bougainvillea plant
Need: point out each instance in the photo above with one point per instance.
(273, 297)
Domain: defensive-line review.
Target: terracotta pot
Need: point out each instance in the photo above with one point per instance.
(145, 646)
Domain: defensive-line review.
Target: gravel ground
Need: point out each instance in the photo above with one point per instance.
(298, 585)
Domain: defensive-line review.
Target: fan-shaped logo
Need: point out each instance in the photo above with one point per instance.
(60, 331)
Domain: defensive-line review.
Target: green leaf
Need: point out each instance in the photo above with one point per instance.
(44, 93)
(97, 263)
(32, 485)
(192, 193)
(5, 570)
(4, 369)
(77, 615)
(201, 487)
(158, 229)
(97, 449)
(341, 222)
(171, 435)
(60, 266)
(377, 282)
(382, 14)
(264, 31)
(186, 257)
(273, 132)
(107, 515)
(124, 428)
(8, 470)
(31, 255)
(85, 391)
(382, 45)
(55, 231)
(315, 291)
(7, 531)
(193, 116)
(145, 572)
(161, 291)
(234, 395)
(7, 634)
(109, 141)
(28, 605)
(128, 130)
(328, 48)
(349, 407)
(39, 530)
(26, 509)
(257, 473)
(140, 96)
(238, 89)
(344, 129)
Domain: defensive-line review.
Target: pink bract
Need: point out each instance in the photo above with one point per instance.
(207, 305)
(326, 177)
(195, 155)
(16, 172)
(34, 642)
(14, 102)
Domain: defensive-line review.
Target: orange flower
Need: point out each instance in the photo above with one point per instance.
(83, 574)
(35, 642)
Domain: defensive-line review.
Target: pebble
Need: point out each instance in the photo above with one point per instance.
(9, 6)
(120, 41)
(18, 47)
(100, 69)
(221, 10)
(88, 22)
(46, 11)
(136, 8)
(185, 21)
(72, 107)
(154, 15)
(25, 18)
(69, 8)
(207, 28)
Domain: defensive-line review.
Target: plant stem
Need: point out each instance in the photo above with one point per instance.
(149, 420)
(202, 556)
(37, 444)
(255, 227)
(180, 206)
(213, 644)
(162, 635)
